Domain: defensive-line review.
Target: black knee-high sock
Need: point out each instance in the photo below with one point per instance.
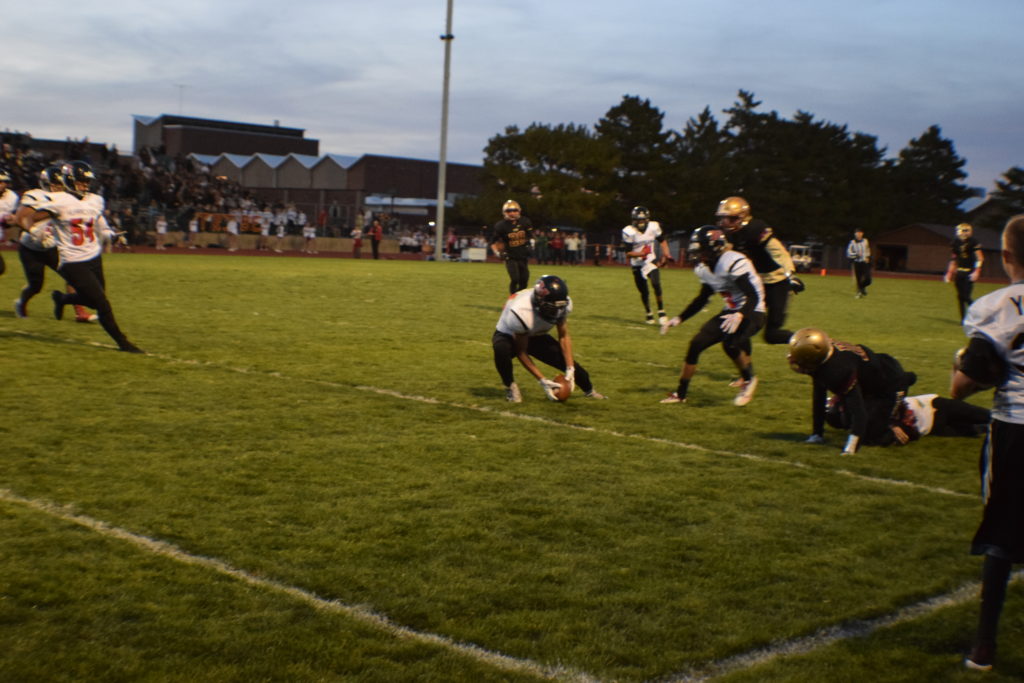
(995, 574)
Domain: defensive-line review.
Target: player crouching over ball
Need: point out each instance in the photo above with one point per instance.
(522, 332)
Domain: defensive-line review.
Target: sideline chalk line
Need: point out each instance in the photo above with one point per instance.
(358, 613)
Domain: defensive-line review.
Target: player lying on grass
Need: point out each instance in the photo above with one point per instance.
(914, 417)
(522, 332)
(867, 386)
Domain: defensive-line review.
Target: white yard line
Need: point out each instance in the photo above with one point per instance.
(355, 612)
(822, 638)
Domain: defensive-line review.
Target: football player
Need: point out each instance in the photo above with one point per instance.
(994, 357)
(731, 275)
(510, 240)
(8, 205)
(964, 265)
(523, 332)
(642, 237)
(772, 261)
(867, 387)
(915, 417)
(79, 228)
(37, 249)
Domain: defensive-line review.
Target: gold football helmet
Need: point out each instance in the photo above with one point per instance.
(808, 349)
(964, 230)
(733, 207)
(511, 205)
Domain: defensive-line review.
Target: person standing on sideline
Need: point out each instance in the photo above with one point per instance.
(376, 234)
(994, 357)
(859, 253)
(965, 265)
(522, 332)
(510, 240)
(641, 239)
(730, 274)
(357, 241)
(774, 265)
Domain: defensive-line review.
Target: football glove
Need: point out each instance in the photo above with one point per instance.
(671, 322)
(550, 387)
(731, 322)
(570, 375)
(796, 284)
(816, 439)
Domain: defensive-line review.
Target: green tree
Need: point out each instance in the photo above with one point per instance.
(1006, 201)
(559, 174)
(926, 181)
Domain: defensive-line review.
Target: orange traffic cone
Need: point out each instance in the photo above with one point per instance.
(824, 272)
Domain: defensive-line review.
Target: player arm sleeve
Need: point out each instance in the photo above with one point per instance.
(698, 303)
(854, 402)
(779, 254)
(982, 362)
(751, 298)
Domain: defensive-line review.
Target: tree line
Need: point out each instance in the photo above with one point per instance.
(811, 179)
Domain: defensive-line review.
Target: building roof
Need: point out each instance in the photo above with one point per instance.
(214, 124)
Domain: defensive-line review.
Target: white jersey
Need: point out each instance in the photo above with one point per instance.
(8, 204)
(731, 266)
(520, 317)
(78, 225)
(999, 318)
(33, 240)
(924, 412)
(638, 239)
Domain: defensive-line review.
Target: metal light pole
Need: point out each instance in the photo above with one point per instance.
(442, 168)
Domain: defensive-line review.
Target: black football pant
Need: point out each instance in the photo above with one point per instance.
(544, 348)
(518, 274)
(733, 344)
(35, 263)
(776, 299)
(862, 275)
(641, 285)
(964, 289)
(958, 418)
(87, 279)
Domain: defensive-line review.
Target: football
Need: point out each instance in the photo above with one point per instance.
(564, 388)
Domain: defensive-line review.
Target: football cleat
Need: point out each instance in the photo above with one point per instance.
(19, 309)
(746, 394)
(128, 347)
(737, 383)
(980, 659)
(673, 398)
(595, 395)
(512, 393)
(649, 319)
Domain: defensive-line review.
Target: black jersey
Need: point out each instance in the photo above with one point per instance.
(857, 375)
(514, 236)
(965, 253)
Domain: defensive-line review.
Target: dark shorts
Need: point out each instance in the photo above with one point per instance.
(1001, 532)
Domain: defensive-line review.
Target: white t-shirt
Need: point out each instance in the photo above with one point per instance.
(638, 239)
(999, 318)
(78, 225)
(731, 266)
(520, 317)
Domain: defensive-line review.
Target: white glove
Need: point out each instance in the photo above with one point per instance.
(671, 322)
(851, 445)
(570, 374)
(816, 439)
(549, 386)
(731, 322)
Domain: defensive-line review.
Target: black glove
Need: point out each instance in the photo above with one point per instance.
(796, 284)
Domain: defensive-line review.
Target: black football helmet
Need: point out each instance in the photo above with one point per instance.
(50, 179)
(551, 298)
(707, 243)
(640, 216)
(77, 177)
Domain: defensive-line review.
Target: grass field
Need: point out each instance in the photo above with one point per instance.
(313, 475)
